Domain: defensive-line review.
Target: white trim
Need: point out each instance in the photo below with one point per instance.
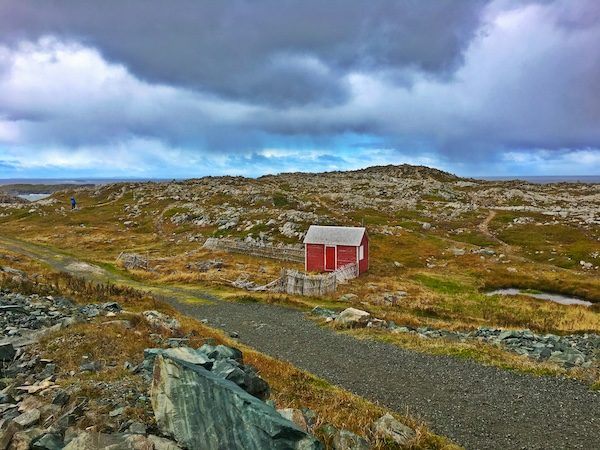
(306, 257)
(335, 261)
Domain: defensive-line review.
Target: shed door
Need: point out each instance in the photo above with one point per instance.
(329, 258)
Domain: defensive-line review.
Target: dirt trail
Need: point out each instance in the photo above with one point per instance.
(477, 406)
(483, 227)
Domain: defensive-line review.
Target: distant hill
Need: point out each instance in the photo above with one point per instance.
(20, 189)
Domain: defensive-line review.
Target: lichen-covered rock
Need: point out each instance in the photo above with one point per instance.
(160, 320)
(203, 411)
(388, 428)
(346, 440)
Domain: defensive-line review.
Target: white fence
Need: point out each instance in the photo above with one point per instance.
(300, 283)
(263, 251)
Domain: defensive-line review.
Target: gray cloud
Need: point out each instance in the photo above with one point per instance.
(257, 51)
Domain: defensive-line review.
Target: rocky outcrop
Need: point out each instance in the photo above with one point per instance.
(201, 410)
(568, 351)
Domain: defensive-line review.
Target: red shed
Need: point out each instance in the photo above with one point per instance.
(328, 248)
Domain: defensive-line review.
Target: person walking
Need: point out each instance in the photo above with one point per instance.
(73, 203)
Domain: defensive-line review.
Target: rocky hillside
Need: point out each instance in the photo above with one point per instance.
(8, 199)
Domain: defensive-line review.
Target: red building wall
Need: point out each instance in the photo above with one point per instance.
(346, 254)
(315, 257)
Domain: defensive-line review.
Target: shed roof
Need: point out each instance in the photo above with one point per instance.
(318, 234)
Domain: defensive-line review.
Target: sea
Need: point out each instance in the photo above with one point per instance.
(542, 179)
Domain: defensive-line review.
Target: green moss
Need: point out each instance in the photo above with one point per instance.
(441, 285)
(280, 200)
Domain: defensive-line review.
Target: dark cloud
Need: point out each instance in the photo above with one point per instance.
(277, 52)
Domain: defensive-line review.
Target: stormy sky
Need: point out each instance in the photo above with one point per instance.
(185, 88)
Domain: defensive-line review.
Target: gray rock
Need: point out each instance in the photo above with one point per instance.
(222, 352)
(323, 312)
(137, 428)
(117, 412)
(8, 428)
(346, 440)
(22, 440)
(296, 416)
(49, 441)
(388, 428)
(102, 441)
(569, 357)
(347, 297)
(28, 418)
(352, 317)
(202, 410)
(112, 307)
(7, 352)
(160, 320)
(161, 443)
(61, 398)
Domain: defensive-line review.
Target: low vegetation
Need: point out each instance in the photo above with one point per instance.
(443, 241)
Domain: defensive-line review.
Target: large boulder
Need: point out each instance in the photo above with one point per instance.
(225, 362)
(204, 411)
(352, 317)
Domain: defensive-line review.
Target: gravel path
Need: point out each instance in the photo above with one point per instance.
(477, 406)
